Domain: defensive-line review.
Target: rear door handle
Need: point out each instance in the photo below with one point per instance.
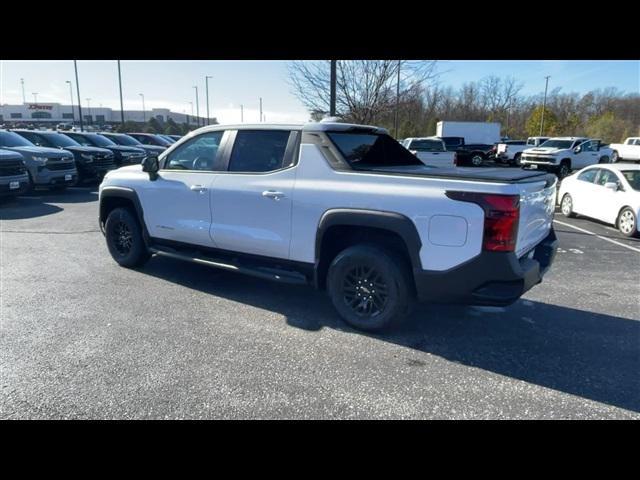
(273, 194)
(198, 188)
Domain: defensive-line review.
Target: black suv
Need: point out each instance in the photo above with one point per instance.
(123, 155)
(468, 154)
(92, 162)
(151, 139)
(124, 139)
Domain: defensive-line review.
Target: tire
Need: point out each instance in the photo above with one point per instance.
(477, 159)
(614, 156)
(124, 238)
(627, 223)
(604, 159)
(516, 159)
(564, 169)
(357, 272)
(566, 206)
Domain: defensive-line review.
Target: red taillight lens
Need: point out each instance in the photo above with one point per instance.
(501, 216)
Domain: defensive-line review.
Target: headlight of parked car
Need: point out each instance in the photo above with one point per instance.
(87, 157)
(39, 160)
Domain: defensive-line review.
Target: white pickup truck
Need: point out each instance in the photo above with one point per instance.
(564, 154)
(431, 151)
(344, 208)
(510, 151)
(629, 150)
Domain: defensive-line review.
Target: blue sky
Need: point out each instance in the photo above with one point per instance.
(169, 84)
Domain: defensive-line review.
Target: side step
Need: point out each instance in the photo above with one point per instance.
(274, 274)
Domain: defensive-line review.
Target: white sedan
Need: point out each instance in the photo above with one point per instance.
(606, 192)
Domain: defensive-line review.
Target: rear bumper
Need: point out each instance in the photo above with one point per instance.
(491, 278)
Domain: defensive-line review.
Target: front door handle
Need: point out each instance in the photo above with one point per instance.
(273, 194)
(198, 188)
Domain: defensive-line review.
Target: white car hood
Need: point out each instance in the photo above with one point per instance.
(544, 150)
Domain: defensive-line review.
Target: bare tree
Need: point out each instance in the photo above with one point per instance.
(366, 89)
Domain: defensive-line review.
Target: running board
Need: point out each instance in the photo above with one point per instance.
(273, 274)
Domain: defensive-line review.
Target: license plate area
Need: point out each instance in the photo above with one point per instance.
(67, 178)
(14, 185)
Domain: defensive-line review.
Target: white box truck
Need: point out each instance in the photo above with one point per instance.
(473, 132)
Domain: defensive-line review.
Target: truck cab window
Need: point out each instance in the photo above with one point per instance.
(259, 150)
(198, 153)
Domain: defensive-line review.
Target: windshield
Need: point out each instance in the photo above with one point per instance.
(11, 139)
(633, 177)
(427, 146)
(123, 139)
(364, 151)
(99, 140)
(60, 140)
(557, 144)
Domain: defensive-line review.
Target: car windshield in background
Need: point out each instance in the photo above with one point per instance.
(427, 146)
(60, 140)
(364, 151)
(557, 144)
(633, 177)
(11, 139)
(124, 140)
(99, 140)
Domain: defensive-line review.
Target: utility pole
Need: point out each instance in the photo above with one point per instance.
(197, 107)
(73, 114)
(260, 109)
(89, 107)
(24, 100)
(144, 111)
(332, 100)
(395, 120)
(75, 66)
(121, 103)
(206, 82)
(544, 103)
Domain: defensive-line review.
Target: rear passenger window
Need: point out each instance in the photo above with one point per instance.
(198, 153)
(258, 150)
(588, 176)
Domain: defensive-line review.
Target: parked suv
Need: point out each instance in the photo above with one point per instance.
(564, 154)
(122, 155)
(126, 140)
(46, 167)
(342, 207)
(151, 139)
(469, 155)
(13, 174)
(92, 162)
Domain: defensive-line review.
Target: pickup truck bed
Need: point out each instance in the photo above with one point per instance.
(493, 175)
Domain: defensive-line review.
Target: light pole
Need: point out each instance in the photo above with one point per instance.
(89, 107)
(332, 100)
(395, 120)
(544, 103)
(73, 114)
(35, 97)
(75, 66)
(24, 99)
(197, 107)
(189, 124)
(121, 103)
(241, 113)
(206, 82)
(144, 111)
(261, 109)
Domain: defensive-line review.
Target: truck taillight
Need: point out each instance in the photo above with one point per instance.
(455, 159)
(501, 216)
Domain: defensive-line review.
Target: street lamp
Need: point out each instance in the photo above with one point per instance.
(144, 111)
(206, 82)
(73, 114)
(197, 107)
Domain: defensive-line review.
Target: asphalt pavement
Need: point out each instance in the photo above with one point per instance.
(81, 337)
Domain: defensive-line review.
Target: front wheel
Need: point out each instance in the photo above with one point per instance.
(477, 160)
(628, 223)
(516, 159)
(563, 170)
(369, 287)
(604, 159)
(124, 238)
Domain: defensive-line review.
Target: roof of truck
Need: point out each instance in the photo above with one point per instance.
(307, 127)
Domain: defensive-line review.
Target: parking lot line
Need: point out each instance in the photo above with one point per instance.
(596, 235)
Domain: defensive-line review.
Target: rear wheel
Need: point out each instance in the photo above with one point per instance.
(477, 159)
(564, 169)
(369, 287)
(628, 223)
(604, 159)
(614, 156)
(124, 238)
(567, 206)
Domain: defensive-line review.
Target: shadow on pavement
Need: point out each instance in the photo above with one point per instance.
(587, 354)
(40, 203)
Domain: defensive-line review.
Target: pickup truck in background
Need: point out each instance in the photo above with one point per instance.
(561, 155)
(629, 150)
(343, 208)
(473, 155)
(431, 151)
(510, 151)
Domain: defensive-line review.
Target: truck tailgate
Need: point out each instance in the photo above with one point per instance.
(537, 205)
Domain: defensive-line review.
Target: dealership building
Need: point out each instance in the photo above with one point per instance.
(54, 113)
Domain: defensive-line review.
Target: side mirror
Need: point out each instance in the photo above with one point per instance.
(577, 150)
(151, 165)
(613, 186)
